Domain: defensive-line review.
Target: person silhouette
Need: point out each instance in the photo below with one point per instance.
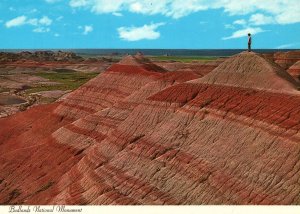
(249, 42)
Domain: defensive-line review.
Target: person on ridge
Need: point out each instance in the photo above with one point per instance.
(249, 42)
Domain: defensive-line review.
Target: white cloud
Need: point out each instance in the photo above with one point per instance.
(139, 33)
(57, 35)
(33, 22)
(290, 45)
(87, 29)
(261, 19)
(18, 21)
(45, 21)
(136, 7)
(171, 8)
(41, 30)
(240, 22)
(289, 16)
(40, 24)
(106, 6)
(244, 32)
(181, 8)
(79, 3)
(117, 14)
(283, 11)
(238, 7)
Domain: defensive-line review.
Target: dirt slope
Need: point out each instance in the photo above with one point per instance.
(157, 138)
(251, 70)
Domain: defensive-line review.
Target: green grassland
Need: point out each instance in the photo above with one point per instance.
(183, 58)
(68, 80)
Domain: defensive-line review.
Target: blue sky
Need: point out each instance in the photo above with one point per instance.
(187, 24)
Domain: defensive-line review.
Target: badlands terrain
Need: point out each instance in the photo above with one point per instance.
(32, 78)
(141, 132)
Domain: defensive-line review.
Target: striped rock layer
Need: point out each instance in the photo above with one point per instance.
(294, 70)
(139, 135)
(286, 59)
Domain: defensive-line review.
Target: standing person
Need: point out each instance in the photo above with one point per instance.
(249, 42)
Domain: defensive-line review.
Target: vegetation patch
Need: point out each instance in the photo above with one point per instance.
(12, 195)
(68, 80)
(47, 100)
(205, 103)
(45, 187)
(63, 70)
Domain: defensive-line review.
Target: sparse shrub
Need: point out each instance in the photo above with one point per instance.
(23, 107)
(182, 134)
(205, 112)
(205, 103)
(45, 187)
(12, 195)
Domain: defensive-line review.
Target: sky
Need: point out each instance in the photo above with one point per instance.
(174, 24)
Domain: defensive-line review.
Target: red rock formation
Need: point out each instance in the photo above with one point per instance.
(118, 82)
(286, 59)
(29, 153)
(46, 60)
(201, 68)
(294, 71)
(269, 56)
(159, 138)
(40, 56)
